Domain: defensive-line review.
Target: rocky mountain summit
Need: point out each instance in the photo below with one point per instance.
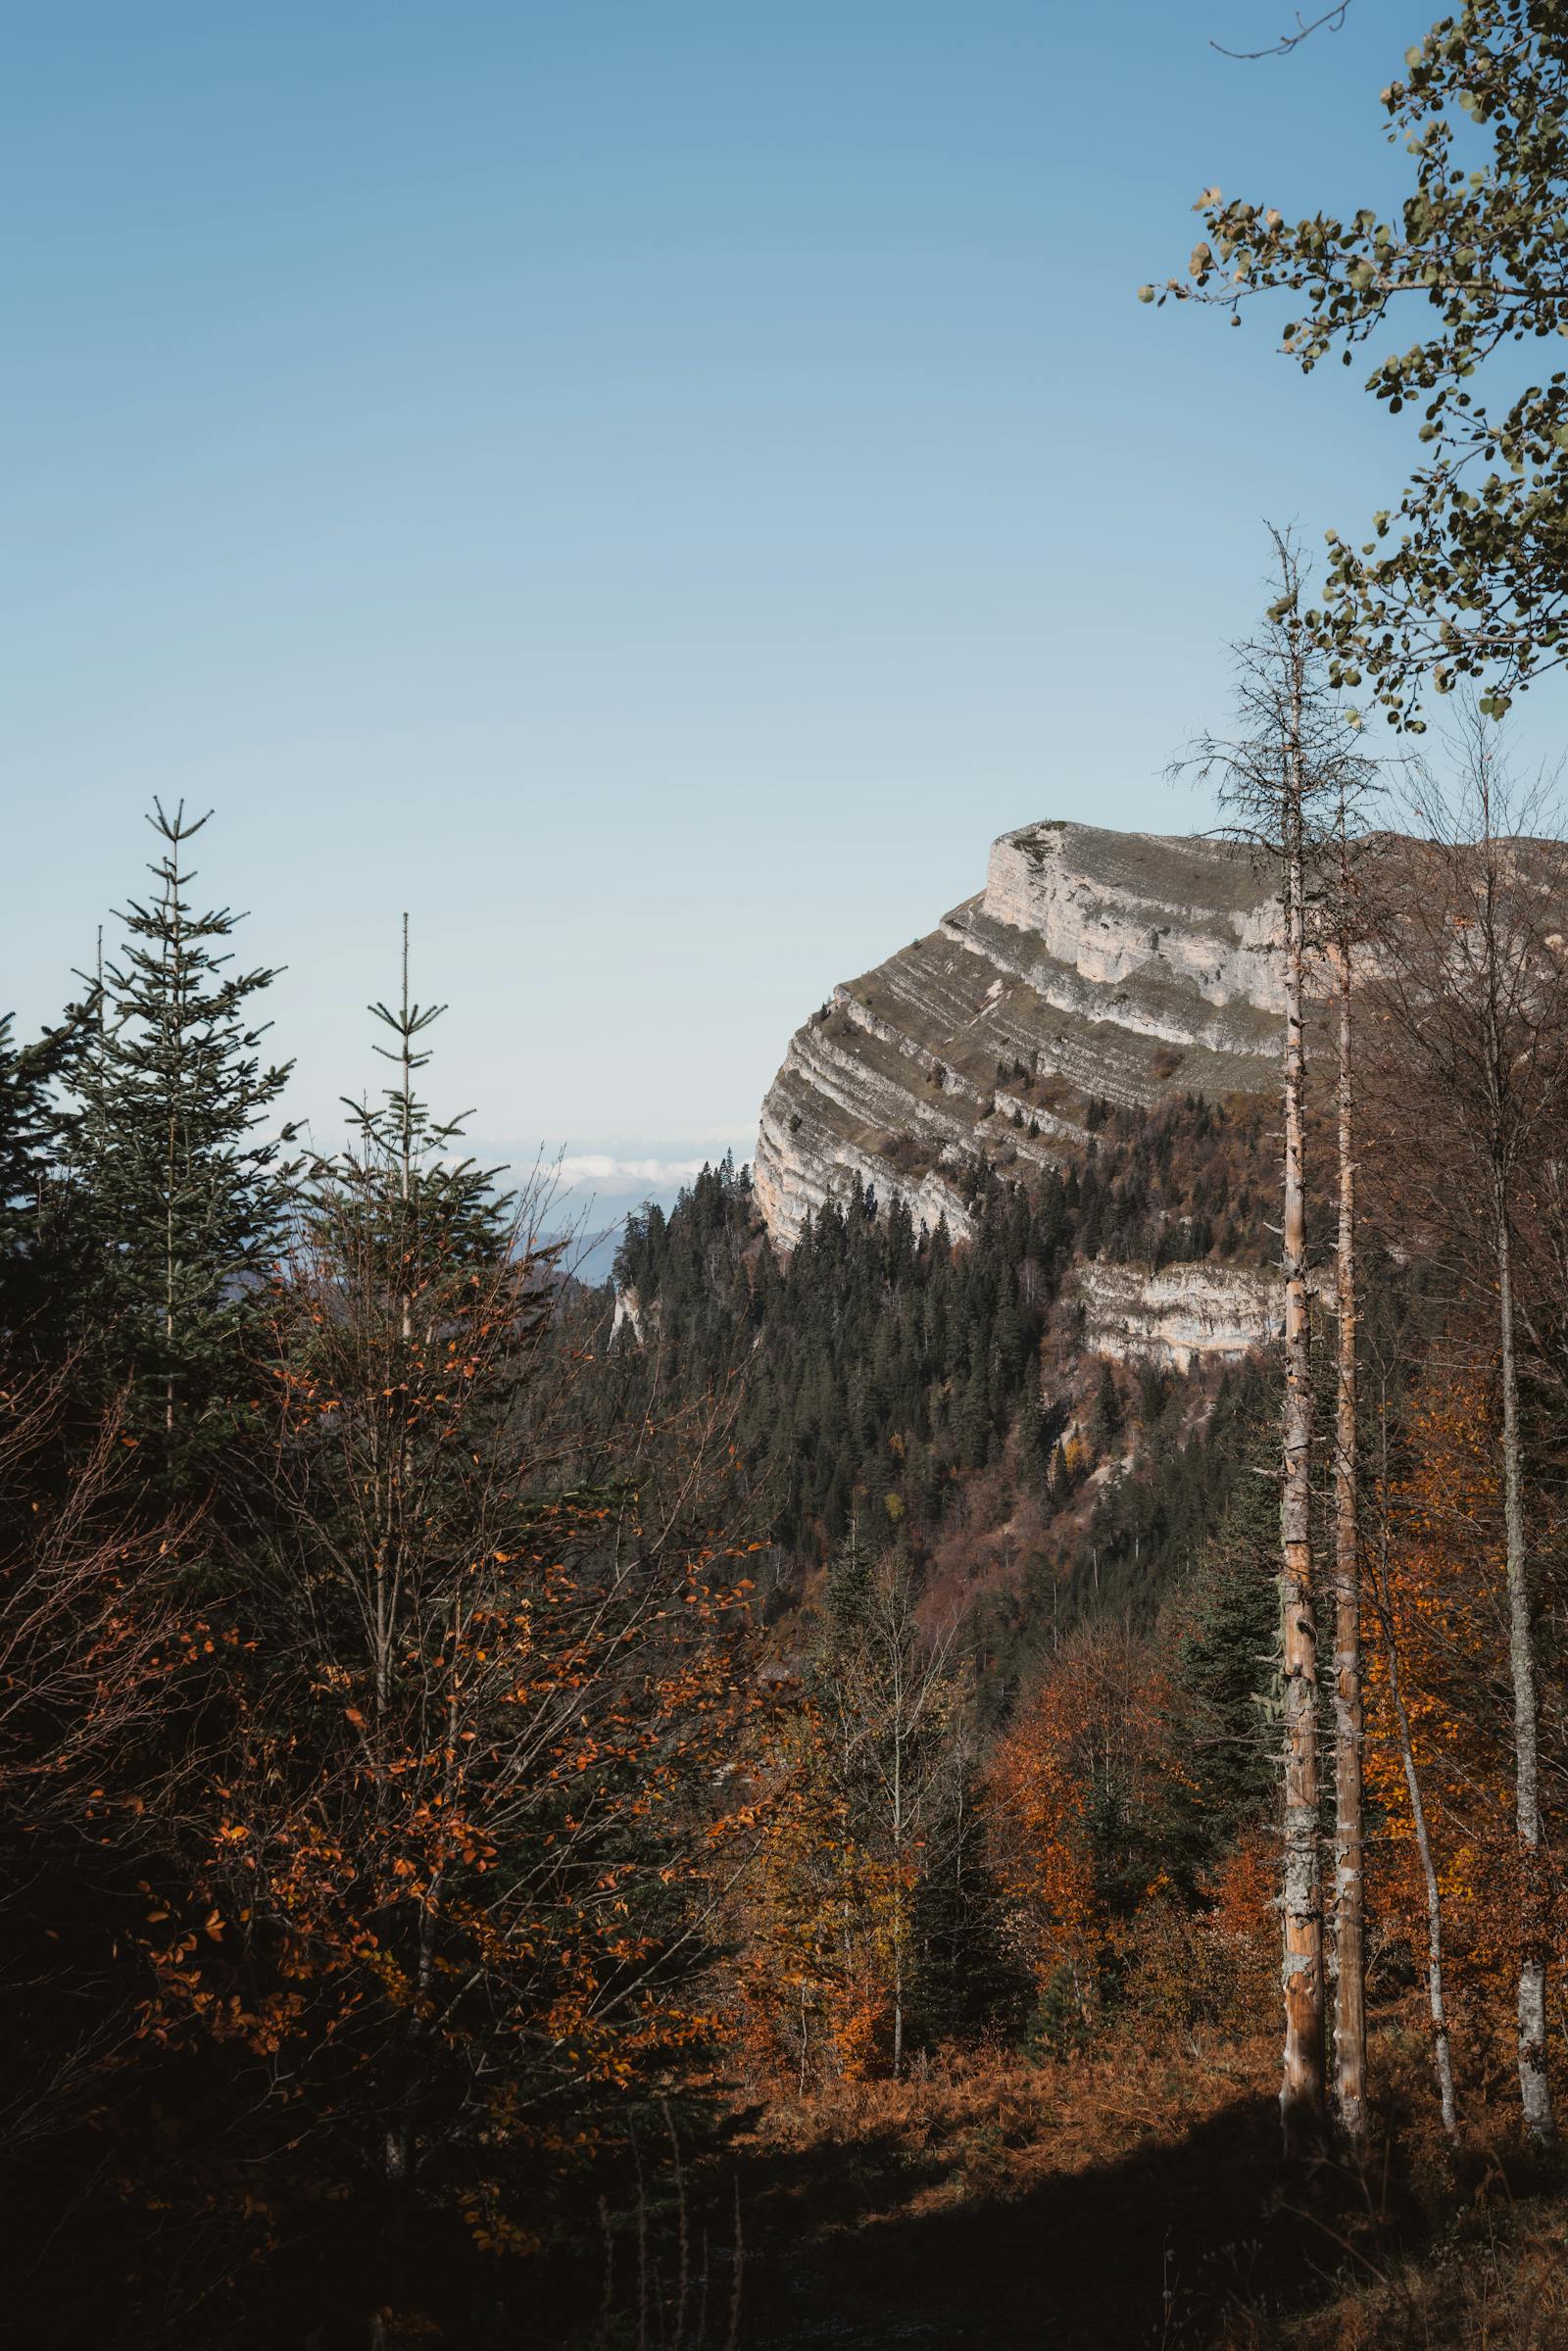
(1093, 967)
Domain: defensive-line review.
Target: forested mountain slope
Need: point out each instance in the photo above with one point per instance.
(951, 1395)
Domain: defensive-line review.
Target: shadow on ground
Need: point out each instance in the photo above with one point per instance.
(869, 2245)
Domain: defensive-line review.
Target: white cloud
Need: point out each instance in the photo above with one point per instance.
(599, 1168)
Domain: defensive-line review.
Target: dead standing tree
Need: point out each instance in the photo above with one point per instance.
(1343, 919)
(1283, 777)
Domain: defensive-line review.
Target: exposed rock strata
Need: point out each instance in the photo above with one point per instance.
(1183, 1314)
(1117, 965)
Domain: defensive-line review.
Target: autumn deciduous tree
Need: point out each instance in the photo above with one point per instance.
(1465, 575)
(1474, 999)
(1432, 1543)
(1441, 1736)
(893, 1704)
(464, 1845)
(868, 1794)
(100, 1671)
(1076, 1796)
(809, 1917)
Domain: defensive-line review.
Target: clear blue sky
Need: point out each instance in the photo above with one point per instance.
(651, 489)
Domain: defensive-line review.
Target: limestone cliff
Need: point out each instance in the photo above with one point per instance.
(1092, 964)
(1182, 1315)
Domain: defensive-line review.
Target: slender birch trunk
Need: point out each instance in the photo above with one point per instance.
(1442, 2057)
(1350, 1990)
(1535, 2088)
(1301, 2085)
(1505, 1112)
(406, 1139)
(1442, 2060)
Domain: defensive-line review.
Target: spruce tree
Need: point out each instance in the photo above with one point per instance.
(850, 1573)
(973, 1422)
(1227, 1644)
(402, 1172)
(1107, 1423)
(184, 1192)
(36, 1225)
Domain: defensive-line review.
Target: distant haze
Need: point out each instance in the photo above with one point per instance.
(589, 1195)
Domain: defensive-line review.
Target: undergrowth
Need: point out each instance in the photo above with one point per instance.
(1137, 2198)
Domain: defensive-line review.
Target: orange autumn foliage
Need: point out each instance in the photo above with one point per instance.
(1089, 1754)
(464, 1812)
(1090, 1805)
(812, 1920)
(1439, 1597)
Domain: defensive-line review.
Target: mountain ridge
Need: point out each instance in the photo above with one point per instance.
(1093, 967)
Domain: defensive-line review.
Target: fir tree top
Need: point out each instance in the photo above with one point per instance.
(187, 1194)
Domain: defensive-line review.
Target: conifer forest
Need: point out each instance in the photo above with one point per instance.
(830, 1784)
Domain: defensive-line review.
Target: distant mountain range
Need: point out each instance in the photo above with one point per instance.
(590, 1188)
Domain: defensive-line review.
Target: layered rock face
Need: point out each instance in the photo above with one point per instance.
(1183, 1315)
(1122, 967)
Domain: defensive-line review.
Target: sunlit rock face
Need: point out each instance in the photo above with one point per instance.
(1122, 967)
(1180, 1316)
(1167, 926)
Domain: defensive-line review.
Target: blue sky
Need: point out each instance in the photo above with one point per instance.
(651, 490)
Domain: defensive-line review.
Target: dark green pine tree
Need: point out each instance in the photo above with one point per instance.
(973, 1422)
(38, 1254)
(1107, 1418)
(1039, 1428)
(1227, 1639)
(400, 1189)
(848, 1589)
(184, 1192)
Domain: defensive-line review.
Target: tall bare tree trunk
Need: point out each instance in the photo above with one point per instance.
(1280, 778)
(1349, 1989)
(1535, 2088)
(1301, 2086)
(1506, 1007)
(406, 1137)
(1442, 2057)
(896, 1793)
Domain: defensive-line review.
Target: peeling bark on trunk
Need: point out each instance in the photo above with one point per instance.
(1301, 2086)
(1350, 1995)
(1535, 2088)
(1291, 766)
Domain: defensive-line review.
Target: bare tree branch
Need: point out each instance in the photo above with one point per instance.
(1332, 18)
